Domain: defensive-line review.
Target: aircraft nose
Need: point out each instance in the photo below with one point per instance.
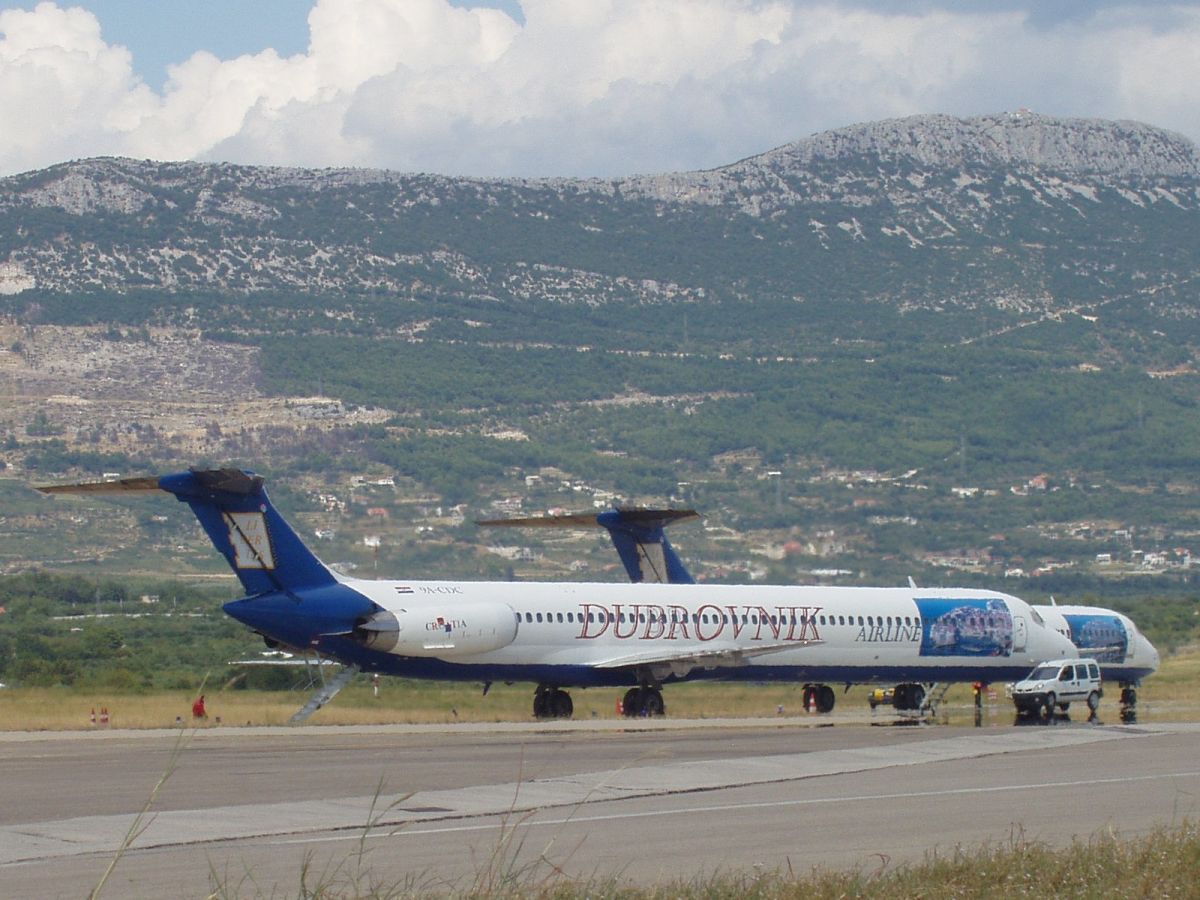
(1152, 652)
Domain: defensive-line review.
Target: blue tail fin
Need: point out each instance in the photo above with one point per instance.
(264, 551)
(261, 548)
(642, 544)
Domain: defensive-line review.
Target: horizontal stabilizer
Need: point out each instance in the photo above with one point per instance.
(124, 485)
(637, 533)
(634, 516)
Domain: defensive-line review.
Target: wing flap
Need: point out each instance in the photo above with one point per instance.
(715, 657)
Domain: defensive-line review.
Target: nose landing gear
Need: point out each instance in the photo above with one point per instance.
(1128, 703)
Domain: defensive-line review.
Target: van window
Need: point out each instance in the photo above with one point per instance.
(1080, 672)
(1065, 674)
(1093, 670)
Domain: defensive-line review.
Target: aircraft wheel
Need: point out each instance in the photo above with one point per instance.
(541, 704)
(632, 703)
(826, 698)
(560, 705)
(917, 696)
(652, 703)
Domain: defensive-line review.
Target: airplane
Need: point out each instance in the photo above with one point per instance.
(1125, 655)
(640, 636)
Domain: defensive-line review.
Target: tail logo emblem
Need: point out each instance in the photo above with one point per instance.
(250, 539)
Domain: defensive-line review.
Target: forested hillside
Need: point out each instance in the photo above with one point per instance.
(899, 348)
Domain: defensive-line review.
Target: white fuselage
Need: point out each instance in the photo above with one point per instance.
(850, 634)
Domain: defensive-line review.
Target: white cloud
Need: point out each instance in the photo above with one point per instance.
(581, 86)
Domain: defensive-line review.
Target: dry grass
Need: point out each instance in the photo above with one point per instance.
(1171, 695)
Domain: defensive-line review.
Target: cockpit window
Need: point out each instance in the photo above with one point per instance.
(1037, 617)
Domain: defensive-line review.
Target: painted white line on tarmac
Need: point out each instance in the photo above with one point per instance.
(526, 820)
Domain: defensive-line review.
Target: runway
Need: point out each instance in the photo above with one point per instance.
(440, 807)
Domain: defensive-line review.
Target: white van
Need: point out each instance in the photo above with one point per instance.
(1058, 683)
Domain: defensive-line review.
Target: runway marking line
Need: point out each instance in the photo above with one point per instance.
(764, 804)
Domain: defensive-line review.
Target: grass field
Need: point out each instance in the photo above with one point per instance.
(1173, 694)
(1165, 863)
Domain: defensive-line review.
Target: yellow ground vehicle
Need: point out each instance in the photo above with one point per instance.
(883, 696)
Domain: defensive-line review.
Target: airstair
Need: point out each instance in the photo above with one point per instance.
(934, 694)
(328, 690)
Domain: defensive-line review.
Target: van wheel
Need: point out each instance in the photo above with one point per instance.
(1048, 707)
(1093, 701)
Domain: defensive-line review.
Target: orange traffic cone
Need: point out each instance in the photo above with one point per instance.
(93, 715)
(104, 715)
(812, 701)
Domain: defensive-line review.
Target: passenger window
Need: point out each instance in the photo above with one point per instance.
(539, 617)
(571, 617)
(528, 617)
(591, 617)
(560, 618)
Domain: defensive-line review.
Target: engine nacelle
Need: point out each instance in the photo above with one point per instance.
(444, 632)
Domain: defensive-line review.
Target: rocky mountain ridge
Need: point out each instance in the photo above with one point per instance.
(1032, 206)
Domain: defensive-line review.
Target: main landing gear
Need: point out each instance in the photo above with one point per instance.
(819, 697)
(552, 703)
(643, 701)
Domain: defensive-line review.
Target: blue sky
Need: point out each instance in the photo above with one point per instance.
(560, 87)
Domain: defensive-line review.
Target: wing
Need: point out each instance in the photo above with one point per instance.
(682, 661)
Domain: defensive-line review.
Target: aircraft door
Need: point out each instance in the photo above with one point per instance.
(1020, 633)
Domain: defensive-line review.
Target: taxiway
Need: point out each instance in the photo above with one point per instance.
(440, 807)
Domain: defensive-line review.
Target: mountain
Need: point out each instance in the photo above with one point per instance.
(1003, 215)
(900, 345)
